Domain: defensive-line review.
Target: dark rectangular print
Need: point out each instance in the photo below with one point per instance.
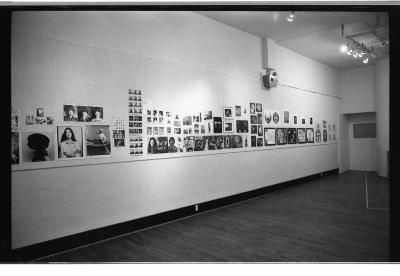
(217, 122)
(292, 135)
(281, 136)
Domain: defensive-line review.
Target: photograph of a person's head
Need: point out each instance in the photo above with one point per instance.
(97, 114)
(199, 143)
(236, 141)
(238, 110)
(98, 140)
(37, 146)
(162, 144)
(258, 107)
(286, 117)
(259, 118)
(281, 136)
(171, 145)
(15, 148)
(84, 114)
(269, 136)
(228, 126)
(70, 113)
(267, 116)
(69, 142)
(187, 120)
(152, 146)
(253, 141)
(228, 112)
(275, 117)
(309, 135)
(253, 119)
(242, 126)
(292, 135)
(219, 142)
(252, 108)
(217, 124)
(189, 143)
(301, 135)
(259, 130)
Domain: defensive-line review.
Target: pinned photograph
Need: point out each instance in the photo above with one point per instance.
(37, 146)
(152, 147)
(162, 144)
(253, 141)
(70, 142)
(70, 113)
(253, 129)
(236, 141)
(203, 129)
(227, 141)
(207, 115)
(286, 117)
(267, 116)
(98, 140)
(177, 130)
(259, 118)
(15, 119)
(84, 114)
(171, 145)
(228, 127)
(259, 130)
(149, 131)
(324, 123)
(311, 120)
(258, 107)
(269, 136)
(228, 113)
(242, 126)
(281, 136)
(238, 110)
(252, 108)
(219, 142)
(189, 143)
(97, 114)
(187, 120)
(155, 130)
(169, 130)
(260, 142)
(309, 135)
(303, 121)
(275, 117)
(161, 131)
(199, 143)
(301, 135)
(154, 112)
(15, 148)
(292, 135)
(40, 112)
(253, 119)
(217, 124)
(40, 120)
(50, 119)
(295, 119)
(196, 118)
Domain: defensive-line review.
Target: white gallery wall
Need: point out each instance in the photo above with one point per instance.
(183, 62)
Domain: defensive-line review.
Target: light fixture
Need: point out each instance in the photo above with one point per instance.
(366, 60)
(344, 48)
(290, 17)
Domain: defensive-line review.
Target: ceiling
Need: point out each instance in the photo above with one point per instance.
(317, 35)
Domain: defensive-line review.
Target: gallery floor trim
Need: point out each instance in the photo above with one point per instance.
(40, 250)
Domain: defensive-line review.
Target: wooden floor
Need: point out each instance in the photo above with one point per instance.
(325, 220)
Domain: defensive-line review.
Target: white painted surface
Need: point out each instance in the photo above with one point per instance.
(344, 150)
(356, 88)
(85, 58)
(381, 78)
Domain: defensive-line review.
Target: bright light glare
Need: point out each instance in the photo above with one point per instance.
(343, 48)
(365, 60)
(290, 18)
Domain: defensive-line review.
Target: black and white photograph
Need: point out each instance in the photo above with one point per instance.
(295, 119)
(162, 144)
(267, 116)
(281, 136)
(275, 117)
(70, 142)
(260, 142)
(238, 111)
(258, 107)
(84, 114)
(301, 135)
(325, 135)
(269, 136)
(40, 112)
(98, 140)
(292, 136)
(152, 147)
(260, 130)
(228, 126)
(259, 118)
(253, 129)
(187, 120)
(242, 126)
(236, 141)
(189, 143)
(252, 108)
(303, 121)
(286, 117)
(15, 148)
(227, 142)
(253, 141)
(217, 124)
(309, 135)
(199, 143)
(70, 113)
(228, 112)
(97, 114)
(253, 119)
(30, 119)
(37, 146)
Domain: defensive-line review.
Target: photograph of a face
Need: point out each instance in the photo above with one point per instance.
(275, 117)
(189, 143)
(253, 141)
(281, 136)
(37, 146)
(15, 148)
(267, 116)
(238, 110)
(259, 118)
(177, 130)
(301, 135)
(70, 142)
(269, 136)
(187, 120)
(253, 129)
(199, 143)
(152, 147)
(252, 108)
(162, 144)
(242, 126)
(292, 135)
(217, 124)
(253, 119)
(309, 135)
(228, 112)
(286, 117)
(258, 107)
(219, 142)
(228, 126)
(98, 140)
(259, 130)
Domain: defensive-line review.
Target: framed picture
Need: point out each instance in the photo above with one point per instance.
(228, 112)
(258, 107)
(253, 129)
(281, 136)
(309, 135)
(37, 146)
(260, 142)
(162, 144)
(217, 124)
(253, 119)
(238, 110)
(259, 118)
(301, 135)
(292, 136)
(98, 140)
(227, 142)
(286, 117)
(242, 126)
(70, 142)
(303, 121)
(267, 116)
(187, 120)
(295, 119)
(311, 120)
(228, 127)
(252, 108)
(275, 117)
(253, 141)
(269, 136)
(40, 112)
(259, 130)
(15, 148)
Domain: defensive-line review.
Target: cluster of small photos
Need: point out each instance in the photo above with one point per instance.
(256, 127)
(160, 122)
(135, 122)
(118, 131)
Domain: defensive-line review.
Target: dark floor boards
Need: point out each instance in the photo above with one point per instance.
(325, 220)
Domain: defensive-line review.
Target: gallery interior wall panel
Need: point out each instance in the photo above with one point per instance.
(71, 196)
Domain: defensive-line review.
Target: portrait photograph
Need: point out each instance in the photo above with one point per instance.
(15, 148)
(50, 119)
(228, 113)
(269, 136)
(311, 120)
(70, 142)
(172, 145)
(189, 143)
(70, 113)
(84, 114)
(275, 117)
(253, 141)
(40, 112)
(187, 120)
(228, 126)
(196, 119)
(295, 119)
(96, 114)
(258, 107)
(259, 130)
(292, 135)
(309, 135)
(152, 146)
(253, 119)
(301, 135)
(242, 126)
(238, 110)
(199, 143)
(303, 121)
(286, 117)
(253, 129)
(259, 118)
(260, 142)
(98, 140)
(236, 141)
(162, 144)
(252, 108)
(217, 124)
(267, 116)
(161, 131)
(281, 136)
(37, 146)
(118, 142)
(219, 142)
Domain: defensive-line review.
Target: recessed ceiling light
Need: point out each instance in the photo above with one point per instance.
(290, 17)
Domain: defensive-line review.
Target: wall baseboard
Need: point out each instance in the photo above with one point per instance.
(43, 249)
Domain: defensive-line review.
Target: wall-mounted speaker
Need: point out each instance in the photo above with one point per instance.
(270, 79)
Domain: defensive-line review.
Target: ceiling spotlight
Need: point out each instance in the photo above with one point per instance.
(349, 51)
(355, 55)
(365, 60)
(343, 48)
(290, 17)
